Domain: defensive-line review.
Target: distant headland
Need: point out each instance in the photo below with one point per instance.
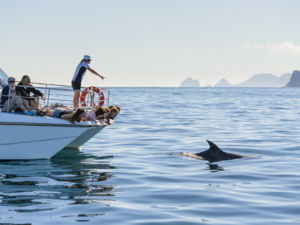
(190, 82)
(258, 80)
(295, 79)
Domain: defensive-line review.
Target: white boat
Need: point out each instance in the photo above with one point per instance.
(25, 137)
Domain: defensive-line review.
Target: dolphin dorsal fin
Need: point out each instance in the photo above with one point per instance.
(213, 146)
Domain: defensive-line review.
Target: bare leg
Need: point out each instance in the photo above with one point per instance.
(76, 99)
(7, 107)
(19, 103)
(12, 104)
(35, 104)
(66, 116)
(50, 112)
(26, 103)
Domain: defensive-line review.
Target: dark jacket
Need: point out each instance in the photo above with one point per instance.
(4, 95)
(25, 91)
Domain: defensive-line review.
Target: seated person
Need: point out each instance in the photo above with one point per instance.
(24, 89)
(5, 91)
(9, 100)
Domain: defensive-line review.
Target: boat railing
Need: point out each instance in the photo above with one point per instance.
(56, 95)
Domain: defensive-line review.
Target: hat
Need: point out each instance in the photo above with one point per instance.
(11, 79)
(86, 57)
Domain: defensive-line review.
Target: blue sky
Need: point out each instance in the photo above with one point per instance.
(149, 43)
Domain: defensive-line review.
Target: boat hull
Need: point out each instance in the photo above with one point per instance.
(41, 138)
(84, 137)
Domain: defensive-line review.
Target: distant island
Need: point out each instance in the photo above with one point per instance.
(190, 82)
(295, 79)
(223, 83)
(266, 80)
(258, 80)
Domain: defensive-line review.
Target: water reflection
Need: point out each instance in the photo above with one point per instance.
(71, 177)
(213, 167)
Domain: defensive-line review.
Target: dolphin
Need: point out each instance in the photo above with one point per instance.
(214, 154)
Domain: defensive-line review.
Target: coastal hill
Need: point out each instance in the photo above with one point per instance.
(258, 80)
(190, 82)
(266, 80)
(223, 83)
(295, 79)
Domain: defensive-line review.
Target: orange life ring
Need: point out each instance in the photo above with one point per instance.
(95, 89)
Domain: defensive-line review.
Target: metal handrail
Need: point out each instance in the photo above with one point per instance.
(64, 94)
(56, 85)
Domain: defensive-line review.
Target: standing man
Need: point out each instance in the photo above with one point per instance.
(79, 74)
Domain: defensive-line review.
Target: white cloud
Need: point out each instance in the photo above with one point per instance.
(285, 47)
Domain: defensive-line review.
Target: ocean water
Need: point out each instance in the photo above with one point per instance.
(128, 174)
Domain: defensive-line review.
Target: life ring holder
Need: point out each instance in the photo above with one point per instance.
(95, 89)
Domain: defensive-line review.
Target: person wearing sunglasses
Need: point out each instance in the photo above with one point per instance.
(9, 100)
(24, 89)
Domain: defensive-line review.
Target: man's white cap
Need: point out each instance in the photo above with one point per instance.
(86, 57)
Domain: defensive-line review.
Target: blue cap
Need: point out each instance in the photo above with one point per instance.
(86, 57)
(11, 79)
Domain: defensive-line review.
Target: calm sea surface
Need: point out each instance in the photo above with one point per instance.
(128, 174)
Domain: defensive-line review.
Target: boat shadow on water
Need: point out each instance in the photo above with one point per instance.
(71, 176)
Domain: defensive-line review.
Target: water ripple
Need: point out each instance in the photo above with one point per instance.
(130, 173)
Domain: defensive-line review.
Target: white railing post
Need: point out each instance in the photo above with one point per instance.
(8, 98)
(108, 94)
